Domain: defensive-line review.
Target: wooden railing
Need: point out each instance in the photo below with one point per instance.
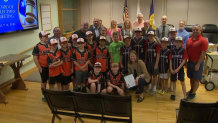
(24, 52)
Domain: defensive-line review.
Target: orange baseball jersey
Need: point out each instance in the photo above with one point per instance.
(81, 58)
(91, 48)
(115, 79)
(41, 51)
(72, 48)
(101, 55)
(67, 62)
(99, 77)
(51, 58)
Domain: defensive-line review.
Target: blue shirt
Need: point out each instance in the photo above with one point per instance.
(185, 36)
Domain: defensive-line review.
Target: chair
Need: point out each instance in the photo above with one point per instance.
(88, 103)
(210, 32)
(190, 112)
(59, 102)
(118, 106)
(189, 28)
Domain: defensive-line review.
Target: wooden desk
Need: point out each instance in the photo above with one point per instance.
(16, 62)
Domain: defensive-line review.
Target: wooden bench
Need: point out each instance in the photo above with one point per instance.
(190, 112)
(16, 62)
(87, 105)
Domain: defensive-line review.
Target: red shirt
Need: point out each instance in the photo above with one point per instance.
(67, 62)
(91, 48)
(194, 48)
(51, 58)
(102, 55)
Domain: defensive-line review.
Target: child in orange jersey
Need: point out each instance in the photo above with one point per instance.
(65, 55)
(55, 69)
(81, 58)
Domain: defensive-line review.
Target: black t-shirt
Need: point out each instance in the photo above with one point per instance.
(99, 77)
(80, 35)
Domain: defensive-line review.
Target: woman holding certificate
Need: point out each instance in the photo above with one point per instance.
(138, 69)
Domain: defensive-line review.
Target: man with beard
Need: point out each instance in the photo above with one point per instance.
(183, 33)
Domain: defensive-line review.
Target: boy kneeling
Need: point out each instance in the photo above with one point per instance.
(96, 80)
(115, 80)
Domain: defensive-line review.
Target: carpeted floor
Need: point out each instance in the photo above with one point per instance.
(34, 77)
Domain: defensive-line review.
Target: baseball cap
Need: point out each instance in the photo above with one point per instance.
(178, 38)
(164, 39)
(53, 41)
(126, 36)
(43, 33)
(102, 38)
(63, 39)
(151, 33)
(89, 33)
(80, 40)
(97, 64)
(172, 29)
(138, 29)
(74, 36)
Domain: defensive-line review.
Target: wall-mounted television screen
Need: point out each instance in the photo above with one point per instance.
(18, 15)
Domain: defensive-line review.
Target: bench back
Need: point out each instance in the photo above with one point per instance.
(87, 102)
(120, 106)
(59, 100)
(190, 112)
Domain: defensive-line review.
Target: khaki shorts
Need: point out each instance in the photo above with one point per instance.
(164, 75)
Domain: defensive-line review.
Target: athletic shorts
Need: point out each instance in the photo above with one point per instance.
(191, 73)
(66, 80)
(81, 77)
(45, 74)
(96, 85)
(181, 76)
(150, 68)
(54, 79)
(164, 75)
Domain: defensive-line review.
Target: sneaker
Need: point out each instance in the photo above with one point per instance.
(127, 90)
(192, 96)
(173, 97)
(188, 93)
(163, 92)
(159, 91)
(153, 93)
(147, 90)
(140, 99)
(43, 99)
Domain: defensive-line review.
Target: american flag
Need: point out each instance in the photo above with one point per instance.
(125, 11)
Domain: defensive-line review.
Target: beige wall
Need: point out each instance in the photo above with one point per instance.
(19, 41)
(192, 11)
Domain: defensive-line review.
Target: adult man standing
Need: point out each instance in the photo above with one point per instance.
(163, 29)
(82, 32)
(57, 35)
(196, 47)
(95, 29)
(183, 33)
(138, 23)
(146, 29)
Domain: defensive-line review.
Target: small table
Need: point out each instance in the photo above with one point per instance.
(16, 62)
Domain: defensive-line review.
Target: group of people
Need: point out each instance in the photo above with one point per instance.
(99, 58)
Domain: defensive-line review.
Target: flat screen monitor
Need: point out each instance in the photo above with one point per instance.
(18, 15)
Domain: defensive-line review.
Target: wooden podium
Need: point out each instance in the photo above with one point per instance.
(16, 62)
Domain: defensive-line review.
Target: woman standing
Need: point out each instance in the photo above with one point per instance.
(127, 28)
(138, 69)
(113, 28)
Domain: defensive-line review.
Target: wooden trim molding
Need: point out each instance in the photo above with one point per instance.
(25, 50)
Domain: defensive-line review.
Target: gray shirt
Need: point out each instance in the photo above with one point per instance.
(158, 32)
(126, 32)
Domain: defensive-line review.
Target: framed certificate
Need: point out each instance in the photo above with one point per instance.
(130, 81)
